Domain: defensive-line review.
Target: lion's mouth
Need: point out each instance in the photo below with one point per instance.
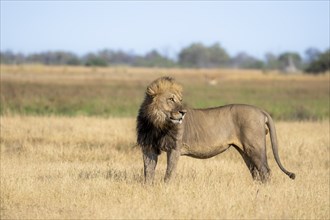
(176, 120)
(177, 117)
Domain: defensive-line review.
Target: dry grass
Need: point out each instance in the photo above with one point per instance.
(71, 168)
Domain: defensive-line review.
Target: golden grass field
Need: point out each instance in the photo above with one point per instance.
(87, 167)
(64, 165)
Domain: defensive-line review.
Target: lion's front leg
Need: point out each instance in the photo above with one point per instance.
(150, 158)
(172, 160)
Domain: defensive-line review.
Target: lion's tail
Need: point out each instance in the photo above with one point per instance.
(273, 139)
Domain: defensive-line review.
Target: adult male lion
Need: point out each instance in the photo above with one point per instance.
(164, 125)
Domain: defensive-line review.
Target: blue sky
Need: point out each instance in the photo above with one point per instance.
(255, 27)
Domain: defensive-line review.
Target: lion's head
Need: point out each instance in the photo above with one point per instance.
(163, 103)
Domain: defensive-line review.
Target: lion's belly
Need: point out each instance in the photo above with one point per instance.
(203, 151)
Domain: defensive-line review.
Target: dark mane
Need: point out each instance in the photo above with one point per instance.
(149, 136)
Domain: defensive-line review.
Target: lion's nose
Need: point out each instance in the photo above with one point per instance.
(183, 112)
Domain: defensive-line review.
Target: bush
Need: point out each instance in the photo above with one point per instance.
(320, 65)
(96, 61)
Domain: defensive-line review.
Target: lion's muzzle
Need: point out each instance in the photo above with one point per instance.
(177, 117)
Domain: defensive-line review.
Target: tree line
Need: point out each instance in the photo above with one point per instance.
(196, 55)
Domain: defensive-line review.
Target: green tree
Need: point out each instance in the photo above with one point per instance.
(312, 54)
(272, 62)
(53, 58)
(245, 61)
(92, 59)
(154, 59)
(320, 65)
(288, 59)
(197, 55)
(8, 57)
(217, 56)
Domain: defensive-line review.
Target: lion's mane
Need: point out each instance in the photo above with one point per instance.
(153, 131)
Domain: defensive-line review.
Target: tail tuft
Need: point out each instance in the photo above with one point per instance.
(292, 176)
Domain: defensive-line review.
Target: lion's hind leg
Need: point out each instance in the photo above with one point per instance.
(256, 160)
(252, 168)
(258, 157)
(253, 145)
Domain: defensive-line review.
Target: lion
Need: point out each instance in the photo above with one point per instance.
(164, 124)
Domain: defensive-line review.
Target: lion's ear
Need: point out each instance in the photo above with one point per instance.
(150, 91)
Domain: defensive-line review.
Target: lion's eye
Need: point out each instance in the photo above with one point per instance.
(171, 99)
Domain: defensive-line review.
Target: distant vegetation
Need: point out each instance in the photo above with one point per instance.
(195, 55)
(320, 64)
(118, 91)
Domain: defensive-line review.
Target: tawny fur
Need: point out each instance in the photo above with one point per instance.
(163, 124)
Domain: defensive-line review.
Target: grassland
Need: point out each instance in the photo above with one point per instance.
(88, 168)
(68, 147)
(40, 90)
